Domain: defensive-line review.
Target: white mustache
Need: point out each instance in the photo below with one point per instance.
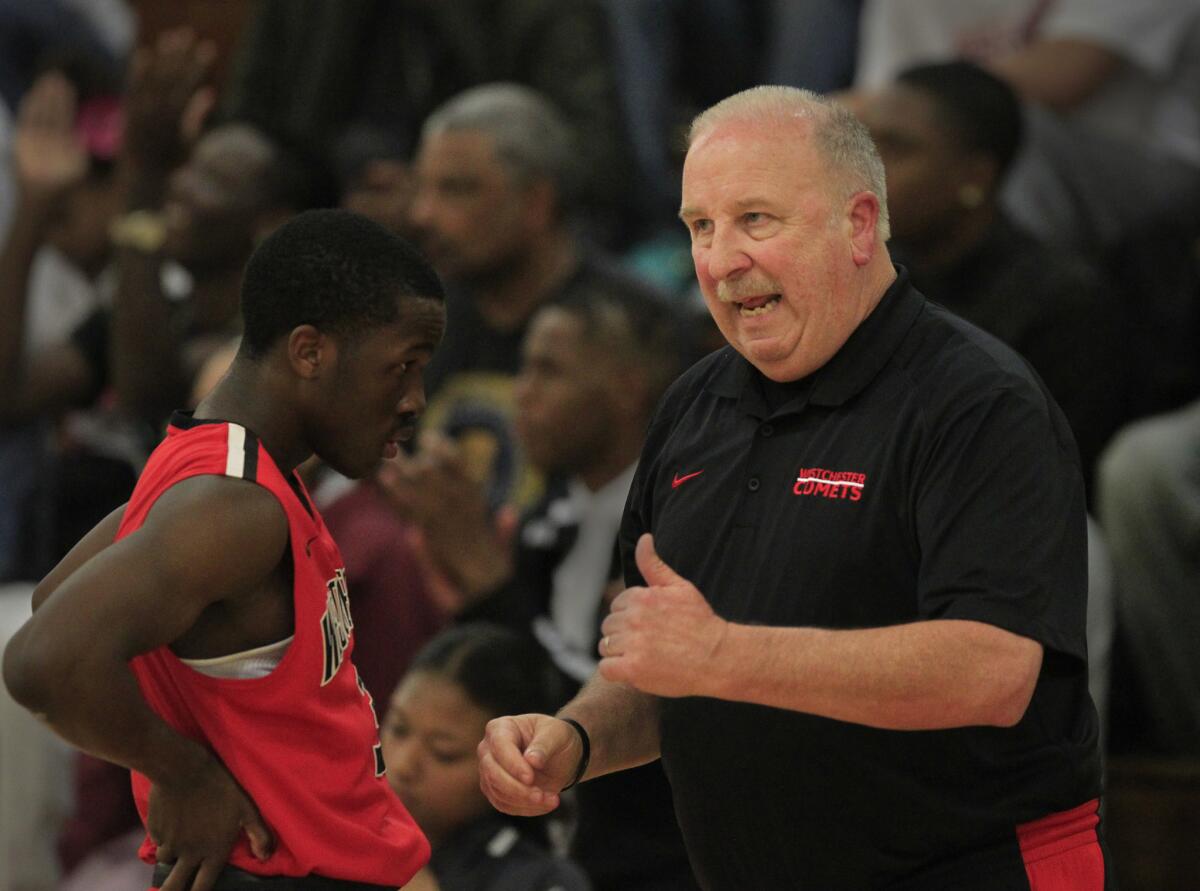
(737, 291)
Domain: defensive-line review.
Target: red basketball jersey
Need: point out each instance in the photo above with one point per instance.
(302, 741)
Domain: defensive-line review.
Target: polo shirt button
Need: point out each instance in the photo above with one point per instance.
(753, 484)
(766, 429)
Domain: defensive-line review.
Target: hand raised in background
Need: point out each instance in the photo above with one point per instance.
(465, 546)
(168, 99)
(48, 156)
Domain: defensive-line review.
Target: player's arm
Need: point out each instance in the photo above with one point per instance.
(665, 639)
(206, 539)
(100, 537)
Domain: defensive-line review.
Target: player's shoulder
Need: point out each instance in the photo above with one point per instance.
(209, 507)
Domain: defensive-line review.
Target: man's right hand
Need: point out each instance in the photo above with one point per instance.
(194, 820)
(525, 761)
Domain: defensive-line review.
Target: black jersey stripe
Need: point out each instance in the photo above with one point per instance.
(241, 459)
(250, 466)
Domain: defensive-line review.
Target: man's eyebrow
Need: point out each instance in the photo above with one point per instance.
(741, 204)
(753, 201)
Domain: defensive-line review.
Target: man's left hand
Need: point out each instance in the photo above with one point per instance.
(664, 638)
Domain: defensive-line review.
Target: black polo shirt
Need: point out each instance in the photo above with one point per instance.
(922, 473)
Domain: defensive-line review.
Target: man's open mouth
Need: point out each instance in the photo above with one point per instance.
(757, 306)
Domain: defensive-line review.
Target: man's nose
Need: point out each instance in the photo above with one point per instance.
(725, 255)
(414, 398)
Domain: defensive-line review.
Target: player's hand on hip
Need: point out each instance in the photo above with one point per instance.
(525, 761)
(663, 638)
(194, 820)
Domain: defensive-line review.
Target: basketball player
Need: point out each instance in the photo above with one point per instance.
(201, 634)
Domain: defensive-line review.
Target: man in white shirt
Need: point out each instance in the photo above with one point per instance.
(1111, 91)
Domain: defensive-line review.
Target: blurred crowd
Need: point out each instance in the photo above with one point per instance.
(1043, 168)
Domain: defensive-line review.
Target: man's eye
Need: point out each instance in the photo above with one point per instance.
(754, 217)
(701, 226)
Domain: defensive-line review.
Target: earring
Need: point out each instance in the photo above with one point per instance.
(970, 196)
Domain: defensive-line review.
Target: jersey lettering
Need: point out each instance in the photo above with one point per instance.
(830, 483)
(336, 625)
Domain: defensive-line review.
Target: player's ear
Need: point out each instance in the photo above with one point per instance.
(309, 351)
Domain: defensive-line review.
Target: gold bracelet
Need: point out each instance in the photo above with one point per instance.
(141, 230)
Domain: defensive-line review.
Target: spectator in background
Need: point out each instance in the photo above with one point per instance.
(434, 720)
(30, 31)
(310, 69)
(1110, 90)
(199, 208)
(374, 176)
(948, 134)
(51, 274)
(1149, 502)
(192, 240)
(593, 368)
(494, 209)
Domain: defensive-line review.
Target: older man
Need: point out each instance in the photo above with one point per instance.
(861, 654)
(496, 199)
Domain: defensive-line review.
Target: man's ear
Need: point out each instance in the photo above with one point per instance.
(310, 352)
(862, 217)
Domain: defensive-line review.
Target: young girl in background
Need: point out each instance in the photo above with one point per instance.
(461, 680)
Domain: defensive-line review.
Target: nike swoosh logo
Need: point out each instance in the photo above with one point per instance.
(680, 480)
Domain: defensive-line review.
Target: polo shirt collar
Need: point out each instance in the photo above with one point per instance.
(854, 366)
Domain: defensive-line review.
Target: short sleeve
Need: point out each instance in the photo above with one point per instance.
(1001, 522)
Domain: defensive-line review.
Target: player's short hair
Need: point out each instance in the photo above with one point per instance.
(333, 269)
(980, 109)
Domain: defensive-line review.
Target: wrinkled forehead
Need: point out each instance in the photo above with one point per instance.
(739, 159)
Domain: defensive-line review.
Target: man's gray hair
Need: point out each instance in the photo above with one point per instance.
(532, 138)
(840, 137)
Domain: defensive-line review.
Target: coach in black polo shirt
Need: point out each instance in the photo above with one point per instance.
(856, 637)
